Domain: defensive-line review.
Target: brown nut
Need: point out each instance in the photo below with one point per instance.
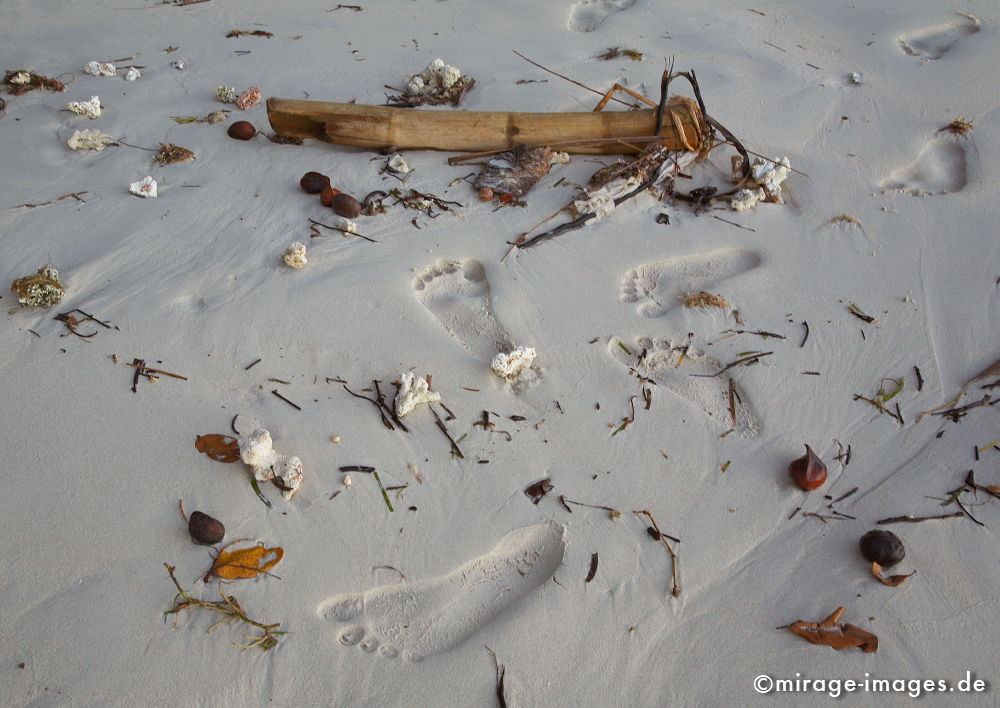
(242, 130)
(204, 529)
(314, 182)
(808, 472)
(327, 195)
(346, 206)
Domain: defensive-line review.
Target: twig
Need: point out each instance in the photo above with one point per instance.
(229, 607)
(733, 223)
(577, 83)
(444, 429)
(501, 672)
(385, 495)
(676, 591)
(293, 405)
(914, 519)
(314, 233)
(143, 370)
(955, 414)
(880, 407)
(803, 342)
(250, 366)
(378, 406)
(73, 195)
(747, 360)
(613, 513)
(593, 568)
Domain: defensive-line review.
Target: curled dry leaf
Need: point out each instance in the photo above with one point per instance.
(892, 581)
(244, 562)
(221, 448)
(831, 633)
(539, 489)
(170, 154)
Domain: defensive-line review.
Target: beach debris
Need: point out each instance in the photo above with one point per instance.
(132, 73)
(169, 154)
(266, 464)
(655, 533)
(229, 607)
(213, 117)
(855, 78)
(204, 529)
(226, 94)
(345, 205)
(991, 370)
(857, 312)
(882, 547)
(314, 182)
(539, 489)
(808, 471)
(765, 176)
(959, 126)
(242, 130)
(397, 165)
(413, 391)
(747, 199)
(892, 581)
(326, 195)
(593, 568)
(221, 448)
(386, 412)
(21, 82)
(145, 188)
(96, 68)
(92, 108)
(437, 84)
(616, 52)
(72, 195)
(179, 64)
(501, 673)
(846, 219)
(829, 632)
(248, 33)
(40, 289)
(704, 299)
(248, 99)
(295, 255)
(513, 172)
(243, 563)
(511, 366)
(612, 512)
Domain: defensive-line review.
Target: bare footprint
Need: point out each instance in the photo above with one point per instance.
(660, 360)
(940, 168)
(933, 43)
(588, 15)
(458, 295)
(416, 620)
(659, 287)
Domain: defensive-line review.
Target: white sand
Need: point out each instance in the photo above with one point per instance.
(193, 282)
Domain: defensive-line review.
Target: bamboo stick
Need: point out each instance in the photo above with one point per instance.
(472, 131)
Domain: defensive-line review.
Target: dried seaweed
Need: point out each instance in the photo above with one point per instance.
(616, 52)
(249, 33)
(704, 299)
(171, 154)
(21, 82)
(513, 172)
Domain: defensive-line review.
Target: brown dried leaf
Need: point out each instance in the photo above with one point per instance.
(831, 633)
(170, 154)
(245, 562)
(221, 448)
(539, 489)
(893, 581)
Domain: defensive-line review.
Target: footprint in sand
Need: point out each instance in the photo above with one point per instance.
(940, 168)
(416, 620)
(659, 287)
(458, 295)
(934, 42)
(588, 15)
(660, 360)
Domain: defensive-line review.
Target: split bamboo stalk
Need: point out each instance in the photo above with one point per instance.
(475, 131)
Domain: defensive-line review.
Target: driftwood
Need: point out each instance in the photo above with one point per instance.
(610, 132)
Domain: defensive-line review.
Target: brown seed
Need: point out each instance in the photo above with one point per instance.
(242, 130)
(327, 195)
(808, 471)
(882, 547)
(314, 182)
(204, 529)
(346, 206)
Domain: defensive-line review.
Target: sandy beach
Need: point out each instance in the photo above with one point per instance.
(494, 533)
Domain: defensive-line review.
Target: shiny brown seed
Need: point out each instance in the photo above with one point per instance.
(314, 182)
(327, 195)
(242, 130)
(808, 471)
(346, 206)
(204, 529)
(882, 547)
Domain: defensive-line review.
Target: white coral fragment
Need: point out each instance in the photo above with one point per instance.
(20, 78)
(435, 77)
(145, 188)
(601, 201)
(770, 175)
(257, 451)
(398, 165)
(560, 158)
(412, 392)
(347, 226)
(226, 94)
(747, 199)
(511, 366)
(132, 74)
(91, 108)
(89, 140)
(295, 255)
(96, 68)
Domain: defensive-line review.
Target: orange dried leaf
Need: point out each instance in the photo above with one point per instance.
(245, 562)
(221, 448)
(831, 633)
(892, 581)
